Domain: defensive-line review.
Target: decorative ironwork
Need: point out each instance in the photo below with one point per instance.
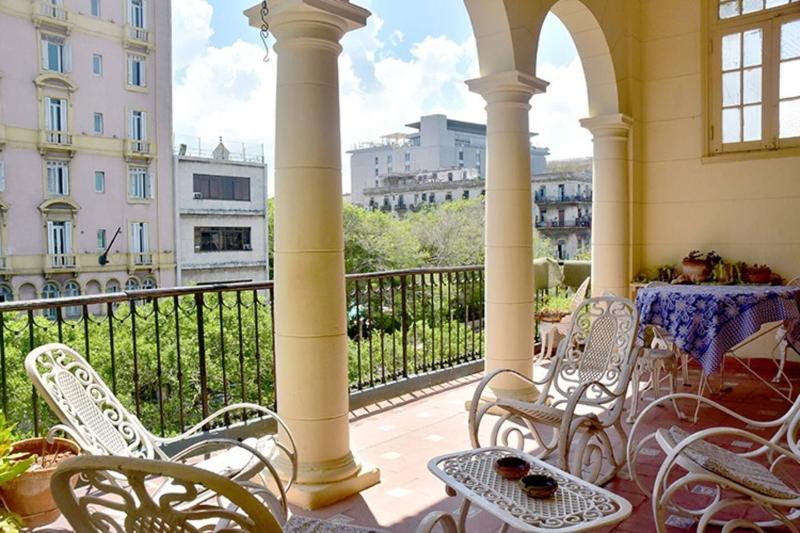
(264, 32)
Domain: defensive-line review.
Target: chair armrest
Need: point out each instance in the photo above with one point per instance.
(71, 433)
(575, 398)
(231, 443)
(291, 453)
(435, 518)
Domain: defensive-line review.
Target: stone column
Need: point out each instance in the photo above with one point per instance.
(509, 228)
(611, 232)
(310, 300)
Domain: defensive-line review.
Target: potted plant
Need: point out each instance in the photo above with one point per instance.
(697, 267)
(759, 274)
(25, 470)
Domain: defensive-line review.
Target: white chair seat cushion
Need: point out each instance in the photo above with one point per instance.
(729, 465)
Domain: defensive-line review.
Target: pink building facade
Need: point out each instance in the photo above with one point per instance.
(85, 147)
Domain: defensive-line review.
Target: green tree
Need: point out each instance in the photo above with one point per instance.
(376, 241)
(451, 234)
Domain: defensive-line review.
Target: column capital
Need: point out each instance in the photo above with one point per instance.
(340, 15)
(509, 86)
(613, 125)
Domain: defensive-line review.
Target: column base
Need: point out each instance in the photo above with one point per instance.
(312, 496)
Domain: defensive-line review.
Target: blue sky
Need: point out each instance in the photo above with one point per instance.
(411, 59)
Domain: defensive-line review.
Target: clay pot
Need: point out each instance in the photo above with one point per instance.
(29, 494)
(696, 270)
(759, 276)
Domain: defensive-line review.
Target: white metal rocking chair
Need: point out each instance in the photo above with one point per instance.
(91, 414)
(102, 507)
(582, 395)
(751, 475)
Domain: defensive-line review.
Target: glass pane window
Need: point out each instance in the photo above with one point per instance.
(53, 53)
(222, 239)
(58, 178)
(101, 239)
(136, 13)
(742, 86)
(95, 8)
(98, 123)
(789, 81)
(97, 65)
(734, 8)
(136, 71)
(99, 181)
(139, 183)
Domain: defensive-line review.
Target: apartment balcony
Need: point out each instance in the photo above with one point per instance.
(545, 199)
(138, 150)
(567, 224)
(56, 263)
(140, 261)
(52, 16)
(56, 142)
(137, 38)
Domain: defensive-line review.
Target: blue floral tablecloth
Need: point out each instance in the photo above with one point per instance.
(708, 320)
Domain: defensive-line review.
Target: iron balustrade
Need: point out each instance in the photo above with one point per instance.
(175, 355)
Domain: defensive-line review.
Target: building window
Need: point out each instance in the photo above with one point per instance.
(139, 183)
(460, 157)
(407, 162)
(59, 240)
(432, 198)
(389, 163)
(448, 197)
(222, 239)
(55, 114)
(149, 283)
(136, 71)
(112, 286)
(95, 8)
(58, 178)
(755, 81)
(138, 126)
(98, 123)
(209, 187)
(71, 290)
(97, 64)
(449, 176)
(101, 239)
(132, 284)
(465, 195)
(136, 13)
(99, 181)
(140, 241)
(56, 55)
(6, 294)
(51, 291)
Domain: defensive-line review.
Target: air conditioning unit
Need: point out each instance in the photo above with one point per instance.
(197, 196)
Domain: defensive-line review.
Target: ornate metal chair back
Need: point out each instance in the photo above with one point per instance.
(579, 296)
(89, 410)
(135, 509)
(598, 348)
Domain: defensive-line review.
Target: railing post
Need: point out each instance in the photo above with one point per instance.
(201, 352)
(404, 323)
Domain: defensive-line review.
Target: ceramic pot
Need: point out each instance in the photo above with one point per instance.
(695, 270)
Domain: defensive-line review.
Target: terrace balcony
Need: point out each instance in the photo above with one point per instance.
(51, 15)
(56, 142)
(548, 199)
(138, 149)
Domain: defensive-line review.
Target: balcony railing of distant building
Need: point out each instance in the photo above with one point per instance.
(142, 258)
(50, 10)
(577, 222)
(57, 137)
(174, 355)
(389, 141)
(62, 261)
(138, 34)
(139, 147)
(563, 198)
(187, 146)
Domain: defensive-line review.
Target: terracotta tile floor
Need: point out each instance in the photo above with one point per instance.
(401, 435)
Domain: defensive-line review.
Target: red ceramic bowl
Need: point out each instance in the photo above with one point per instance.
(512, 468)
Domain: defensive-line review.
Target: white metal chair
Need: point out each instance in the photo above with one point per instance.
(101, 507)
(91, 414)
(753, 476)
(582, 395)
(787, 332)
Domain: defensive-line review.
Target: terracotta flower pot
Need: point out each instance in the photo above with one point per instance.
(759, 276)
(29, 495)
(696, 270)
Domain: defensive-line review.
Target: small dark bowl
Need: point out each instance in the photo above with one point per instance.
(512, 468)
(538, 486)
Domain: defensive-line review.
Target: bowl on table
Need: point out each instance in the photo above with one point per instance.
(512, 468)
(538, 486)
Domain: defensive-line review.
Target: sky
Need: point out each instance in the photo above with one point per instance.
(410, 60)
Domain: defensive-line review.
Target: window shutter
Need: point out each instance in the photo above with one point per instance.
(131, 184)
(142, 73)
(143, 135)
(65, 178)
(67, 58)
(2, 176)
(145, 237)
(48, 113)
(130, 70)
(67, 237)
(132, 237)
(131, 125)
(144, 14)
(52, 185)
(62, 126)
(51, 240)
(45, 56)
(150, 193)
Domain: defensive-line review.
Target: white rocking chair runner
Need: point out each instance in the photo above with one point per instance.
(91, 414)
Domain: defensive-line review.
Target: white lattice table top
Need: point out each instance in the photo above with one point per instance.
(576, 505)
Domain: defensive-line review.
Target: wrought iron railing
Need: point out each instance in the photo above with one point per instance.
(174, 355)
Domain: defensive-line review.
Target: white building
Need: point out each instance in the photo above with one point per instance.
(402, 192)
(221, 206)
(438, 145)
(563, 205)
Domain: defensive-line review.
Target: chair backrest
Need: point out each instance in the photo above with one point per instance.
(579, 296)
(104, 506)
(598, 348)
(83, 403)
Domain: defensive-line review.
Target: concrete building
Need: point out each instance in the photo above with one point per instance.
(563, 205)
(221, 211)
(438, 145)
(85, 147)
(404, 192)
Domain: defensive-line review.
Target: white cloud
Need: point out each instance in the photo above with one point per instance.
(230, 91)
(555, 113)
